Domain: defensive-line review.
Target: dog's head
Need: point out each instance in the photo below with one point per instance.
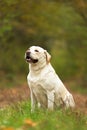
(36, 54)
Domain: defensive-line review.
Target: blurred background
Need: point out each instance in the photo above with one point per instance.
(60, 26)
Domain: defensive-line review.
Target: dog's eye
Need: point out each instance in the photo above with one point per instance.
(36, 51)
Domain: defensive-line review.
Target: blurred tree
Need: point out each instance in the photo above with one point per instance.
(57, 25)
(80, 6)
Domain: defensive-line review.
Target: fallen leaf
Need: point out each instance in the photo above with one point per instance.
(7, 128)
(30, 123)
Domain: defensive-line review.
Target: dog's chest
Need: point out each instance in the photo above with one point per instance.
(38, 87)
(36, 81)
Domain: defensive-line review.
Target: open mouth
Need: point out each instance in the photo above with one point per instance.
(30, 59)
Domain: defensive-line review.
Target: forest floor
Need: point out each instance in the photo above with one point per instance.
(13, 95)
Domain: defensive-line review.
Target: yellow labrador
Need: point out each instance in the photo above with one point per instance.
(47, 90)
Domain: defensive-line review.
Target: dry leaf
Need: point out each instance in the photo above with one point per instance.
(30, 123)
(7, 128)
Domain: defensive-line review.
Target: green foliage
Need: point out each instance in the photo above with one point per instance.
(16, 115)
(54, 25)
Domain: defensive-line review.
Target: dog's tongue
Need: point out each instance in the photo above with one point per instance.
(29, 60)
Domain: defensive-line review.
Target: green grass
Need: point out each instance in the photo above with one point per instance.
(13, 118)
(12, 80)
(76, 87)
(79, 89)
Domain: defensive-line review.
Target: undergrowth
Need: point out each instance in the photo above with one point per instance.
(19, 117)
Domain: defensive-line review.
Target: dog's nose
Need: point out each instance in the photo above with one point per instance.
(28, 53)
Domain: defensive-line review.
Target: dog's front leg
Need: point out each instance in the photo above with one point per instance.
(33, 102)
(50, 96)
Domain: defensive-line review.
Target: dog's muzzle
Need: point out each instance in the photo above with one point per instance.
(29, 58)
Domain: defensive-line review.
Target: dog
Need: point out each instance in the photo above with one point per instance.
(46, 89)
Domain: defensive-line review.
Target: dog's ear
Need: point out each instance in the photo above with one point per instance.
(48, 56)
